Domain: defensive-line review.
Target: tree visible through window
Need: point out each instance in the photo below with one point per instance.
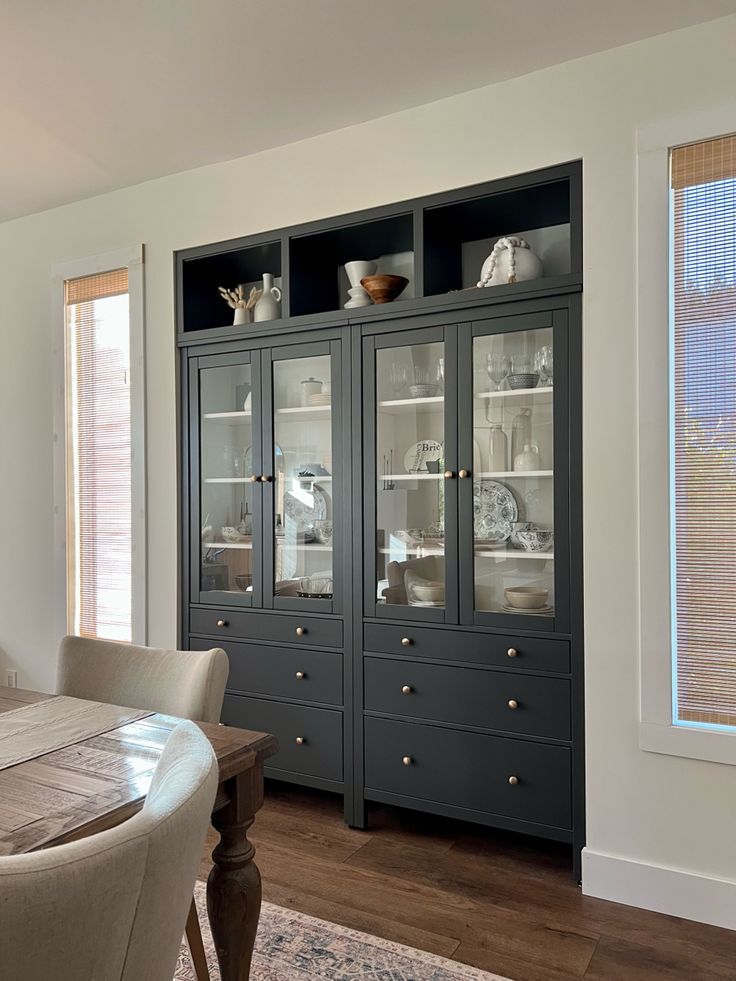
(703, 433)
(99, 472)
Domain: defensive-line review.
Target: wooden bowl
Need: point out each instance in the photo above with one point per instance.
(384, 289)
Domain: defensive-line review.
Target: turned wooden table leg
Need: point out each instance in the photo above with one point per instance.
(234, 884)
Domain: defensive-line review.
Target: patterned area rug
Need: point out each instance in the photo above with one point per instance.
(292, 946)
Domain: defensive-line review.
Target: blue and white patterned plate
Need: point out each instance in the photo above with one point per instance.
(495, 510)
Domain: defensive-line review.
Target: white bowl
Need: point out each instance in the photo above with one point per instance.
(526, 597)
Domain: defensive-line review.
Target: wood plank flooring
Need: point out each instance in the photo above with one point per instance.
(494, 900)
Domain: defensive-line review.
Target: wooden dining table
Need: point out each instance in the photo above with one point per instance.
(97, 783)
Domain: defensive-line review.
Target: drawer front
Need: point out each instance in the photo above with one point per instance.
(470, 770)
(282, 672)
(320, 753)
(533, 653)
(314, 631)
(508, 701)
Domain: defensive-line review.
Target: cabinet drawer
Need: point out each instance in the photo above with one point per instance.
(470, 770)
(320, 753)
(283, 672)
(534, 653)
(316, 632)
(509, 701)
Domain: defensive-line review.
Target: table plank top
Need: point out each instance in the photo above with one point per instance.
(99, 782)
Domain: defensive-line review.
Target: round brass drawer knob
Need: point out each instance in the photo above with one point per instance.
(300, 740)
(513, 781)
(407, 760)
(255, 478)
(512, 703)
(463, 474)
(406, 690)
(449, 474)
(300, 631)
(406, 641)
(300, 675)
(512, 652)
(266, 478)
(222, 623)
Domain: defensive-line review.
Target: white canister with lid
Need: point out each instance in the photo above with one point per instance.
(310, 386)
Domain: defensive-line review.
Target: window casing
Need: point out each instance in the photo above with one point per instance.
(100, 452)
(684, 689)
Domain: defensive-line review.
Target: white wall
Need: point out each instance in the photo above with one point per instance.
(650, 809)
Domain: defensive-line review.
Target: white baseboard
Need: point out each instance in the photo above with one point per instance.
(664, 890)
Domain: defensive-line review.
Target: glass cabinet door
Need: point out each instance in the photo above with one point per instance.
(514, 482)
(304, 485)
(414, 495)
(226, 527)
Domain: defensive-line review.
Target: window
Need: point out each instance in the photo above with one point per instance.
(686, 323)
(103, 511)
(703, 431)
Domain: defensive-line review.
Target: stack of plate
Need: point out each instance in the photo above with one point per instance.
(542, 611)
(320, 398)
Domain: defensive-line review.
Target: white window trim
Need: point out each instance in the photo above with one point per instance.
(133, 259)
(657, 733)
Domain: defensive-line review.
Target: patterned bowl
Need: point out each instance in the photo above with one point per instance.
(529, 379)
(535, 539)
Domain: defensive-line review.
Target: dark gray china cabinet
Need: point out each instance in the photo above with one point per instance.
(382, 504)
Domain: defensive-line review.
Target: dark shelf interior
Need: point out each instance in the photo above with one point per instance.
(450, 231)
(203, 307)
(316, 260)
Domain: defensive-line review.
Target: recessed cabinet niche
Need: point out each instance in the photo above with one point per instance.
(382, 504)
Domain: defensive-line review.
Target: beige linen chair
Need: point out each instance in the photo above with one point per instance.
(188, 684)
(111, 907)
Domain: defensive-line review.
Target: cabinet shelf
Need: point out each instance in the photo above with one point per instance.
(512, 474)
(511, 553)
(542, 394)
(236, 545)
(227, 480)
(434, 403)
(409, 476)
(227, 418)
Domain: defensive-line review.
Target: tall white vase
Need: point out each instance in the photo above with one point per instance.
(268, 306)
(356, 270)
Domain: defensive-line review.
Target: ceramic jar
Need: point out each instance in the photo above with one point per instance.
(310, 386)
(528, 459)
(511, 261)
(355, 271)
(521, 432)
(268, 306)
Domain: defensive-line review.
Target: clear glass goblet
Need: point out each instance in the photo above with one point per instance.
(544, 364)
(397, 377)
(498, 367)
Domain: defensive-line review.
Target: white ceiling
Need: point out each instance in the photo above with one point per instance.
(101, 94)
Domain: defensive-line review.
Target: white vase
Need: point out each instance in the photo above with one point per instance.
(355, 271)
(511, 261)
(268, 306)
(528, 459)
(521, 432)
(242, 316)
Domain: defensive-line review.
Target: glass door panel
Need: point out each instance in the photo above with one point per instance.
(227, 464)
(304, 485)
(410, 483)
(513, 475)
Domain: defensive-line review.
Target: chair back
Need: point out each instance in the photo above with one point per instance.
(112, 907)
(188, 684)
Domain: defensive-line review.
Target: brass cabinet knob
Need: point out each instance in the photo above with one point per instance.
(222, 623)
(406, 690)
(513, 781)
(406, 641)
(449, 474)
(300, 675)
(300, 631)
(299, 740)
(463, 474)
(512, 703)
(407, 760)
(266, 478)
(511, 652)
(255, 478)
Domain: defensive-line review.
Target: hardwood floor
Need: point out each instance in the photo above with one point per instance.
(500, 902)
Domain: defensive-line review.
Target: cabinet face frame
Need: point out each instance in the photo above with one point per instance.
(507, 321)
(196, 366)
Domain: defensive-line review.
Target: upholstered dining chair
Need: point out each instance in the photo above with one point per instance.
(188, 684)
(112, 906)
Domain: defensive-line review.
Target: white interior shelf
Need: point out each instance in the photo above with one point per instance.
(227, 480)
(240, 545)
(304, 410)
(516, 393)
(409, 476)
(511, 553)
(227, 417)
(508, 474)
(399, 551)
(434, 403)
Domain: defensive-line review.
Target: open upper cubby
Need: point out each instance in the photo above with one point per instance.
(459, 234)
(202, 305)
(317, 280)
